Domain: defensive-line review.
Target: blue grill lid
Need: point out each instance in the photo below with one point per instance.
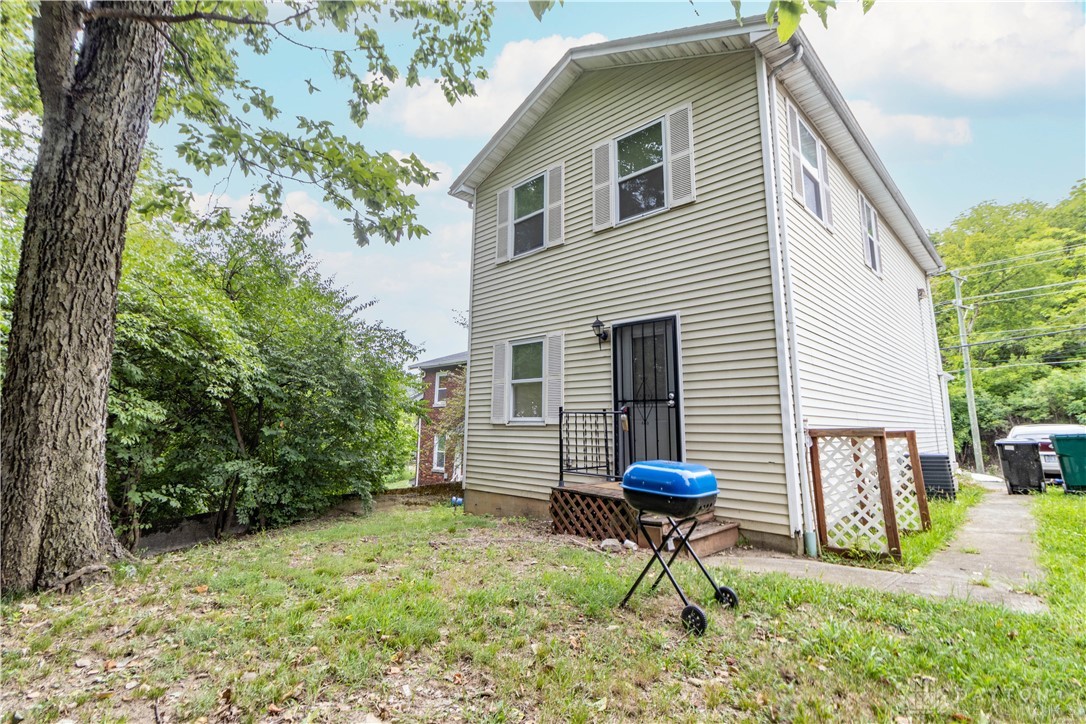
(666, 477)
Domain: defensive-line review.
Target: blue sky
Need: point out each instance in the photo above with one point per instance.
(965, 102)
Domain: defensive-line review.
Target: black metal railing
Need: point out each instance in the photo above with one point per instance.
(593, 443)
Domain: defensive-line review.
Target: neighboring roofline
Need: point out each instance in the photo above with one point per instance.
(461, 190)
(453, 360)
(833, 95)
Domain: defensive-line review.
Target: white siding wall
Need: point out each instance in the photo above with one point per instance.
(867, 352)
(708, 261)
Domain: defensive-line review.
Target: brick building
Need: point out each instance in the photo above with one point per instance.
(432, 465)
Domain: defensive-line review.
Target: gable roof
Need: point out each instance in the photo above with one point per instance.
(806, 80)
(451, 360)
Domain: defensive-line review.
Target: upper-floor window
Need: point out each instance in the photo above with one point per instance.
(645, 170)
(810, 168)
(440, 391)
(640, 159)
(529, 215)
(869, 234)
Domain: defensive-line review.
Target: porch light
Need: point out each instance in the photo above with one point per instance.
(599, 331)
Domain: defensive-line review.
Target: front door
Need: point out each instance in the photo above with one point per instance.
(646, 374)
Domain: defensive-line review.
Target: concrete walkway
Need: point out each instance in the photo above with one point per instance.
(991, 559)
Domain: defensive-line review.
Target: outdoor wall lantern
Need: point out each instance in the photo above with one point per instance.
(599, 331)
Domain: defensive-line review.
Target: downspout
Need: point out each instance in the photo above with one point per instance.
(810, 537)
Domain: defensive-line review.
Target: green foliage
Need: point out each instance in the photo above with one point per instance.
(232, 327)
(1028, 345)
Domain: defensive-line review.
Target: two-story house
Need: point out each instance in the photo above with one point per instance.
(690, 228)
(435, 461)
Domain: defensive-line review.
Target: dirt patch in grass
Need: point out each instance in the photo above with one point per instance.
(427, 614)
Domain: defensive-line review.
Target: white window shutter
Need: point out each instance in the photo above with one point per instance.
(797, 165)
(680, 140)
(553, 364)
(824, 162)
(876, 251)
(555, 233)
(499, 411)
(501, 243)
(601, 187)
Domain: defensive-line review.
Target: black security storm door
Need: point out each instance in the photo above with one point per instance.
(646, 374)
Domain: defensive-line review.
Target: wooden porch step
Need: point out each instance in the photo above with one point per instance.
(709, 537)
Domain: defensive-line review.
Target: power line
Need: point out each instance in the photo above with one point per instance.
(1026, 296)
(1044, 252)
(1038, 328)
(1016, 267)
(1015, 339)
(1025, 364)
(1016, 291)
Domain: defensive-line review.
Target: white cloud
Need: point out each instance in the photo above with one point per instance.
(206, 203)
(300, 202)
(423, 111)
(927, 130)
(976, 50)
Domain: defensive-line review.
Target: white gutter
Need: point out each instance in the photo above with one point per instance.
(788, 419)
(467, 365)
(810, 538)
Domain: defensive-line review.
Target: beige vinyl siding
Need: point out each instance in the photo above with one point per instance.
(708, 261)
(865, 345)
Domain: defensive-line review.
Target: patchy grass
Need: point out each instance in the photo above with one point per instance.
(947, 516)
(1061, 542)
(428, 614)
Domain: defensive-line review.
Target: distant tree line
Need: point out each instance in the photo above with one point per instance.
(1025, 270)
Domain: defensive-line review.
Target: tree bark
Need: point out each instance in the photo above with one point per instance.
(54, 518)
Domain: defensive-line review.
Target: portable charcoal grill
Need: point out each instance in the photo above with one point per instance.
(680, 492)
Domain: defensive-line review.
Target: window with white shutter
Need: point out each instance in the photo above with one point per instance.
(499, 379)
(869, 234)
(530, 215)
(810, 168)
(645, 170)
(553, 370)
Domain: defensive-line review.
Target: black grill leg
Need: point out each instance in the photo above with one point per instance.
(655, 557)
(678, 549)
(686, 542)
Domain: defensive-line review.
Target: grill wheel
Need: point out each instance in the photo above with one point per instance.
(694, 620)
(727, 596)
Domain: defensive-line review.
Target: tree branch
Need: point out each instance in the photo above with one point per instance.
(55, 31)
(93, 13)
(183, 55)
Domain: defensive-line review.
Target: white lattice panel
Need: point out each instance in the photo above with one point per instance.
(903, 484)
(851, 495)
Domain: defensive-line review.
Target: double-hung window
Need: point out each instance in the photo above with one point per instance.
(639, 157)
(869, 234)
(526, 380)
(810, 168)
(439, 453)
(645, 170)
(440, 391)
(527, 384)
(529, 215)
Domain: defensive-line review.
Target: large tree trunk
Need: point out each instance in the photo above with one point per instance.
(54, 515)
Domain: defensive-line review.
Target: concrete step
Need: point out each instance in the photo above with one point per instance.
(709, 538)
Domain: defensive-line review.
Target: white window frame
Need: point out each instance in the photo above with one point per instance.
(438, 448)
(819, 173)
(871, 246)
(440, 401)
(513, 220)
(615, 205)
(542, 380)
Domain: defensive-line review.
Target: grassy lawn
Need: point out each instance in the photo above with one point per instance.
(947, 516)
(428, 614)
(1061, 538)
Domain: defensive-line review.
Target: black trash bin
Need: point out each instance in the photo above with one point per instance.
(1021, 463)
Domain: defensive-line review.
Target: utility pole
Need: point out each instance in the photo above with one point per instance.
(967, 368)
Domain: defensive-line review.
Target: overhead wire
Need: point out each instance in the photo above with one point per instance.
(1022, 364)
(1015, 339)
(1044, 252)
